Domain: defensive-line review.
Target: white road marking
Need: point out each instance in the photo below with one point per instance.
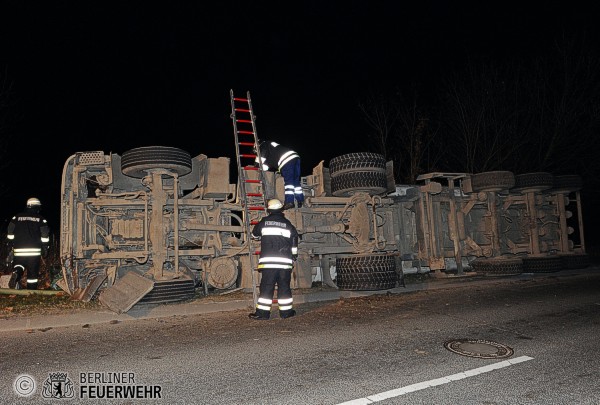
(432, 383)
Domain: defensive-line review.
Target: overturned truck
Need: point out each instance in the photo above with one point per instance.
(157, 219)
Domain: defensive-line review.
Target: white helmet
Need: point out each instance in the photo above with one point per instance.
(33, 202)
(274, 205)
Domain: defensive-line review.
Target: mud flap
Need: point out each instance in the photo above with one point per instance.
(88, 292)
(126, 292)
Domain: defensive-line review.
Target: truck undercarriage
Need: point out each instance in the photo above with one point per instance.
(175, 224)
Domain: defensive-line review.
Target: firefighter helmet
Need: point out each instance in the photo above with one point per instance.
(274, 205)
(33, 202)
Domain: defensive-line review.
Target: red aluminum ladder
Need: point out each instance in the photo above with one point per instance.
(251, 179)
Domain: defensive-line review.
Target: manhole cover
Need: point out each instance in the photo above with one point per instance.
(482, 349)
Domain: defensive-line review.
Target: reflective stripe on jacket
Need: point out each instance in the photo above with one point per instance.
(274, 156)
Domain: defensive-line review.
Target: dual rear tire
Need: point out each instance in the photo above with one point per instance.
(358, 172)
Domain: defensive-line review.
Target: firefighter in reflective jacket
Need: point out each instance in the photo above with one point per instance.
(28, 239)
(278, 251)
(278, 158)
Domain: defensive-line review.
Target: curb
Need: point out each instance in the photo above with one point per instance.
(90, 317)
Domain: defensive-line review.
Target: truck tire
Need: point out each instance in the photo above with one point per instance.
(545, 264)
(575, 261)
(366, 272)
(492, 181)
(366, 286)
(536, 182)
(362, 161)
(365, 263)
(379, 277)
(567, 183)
(346, 184)
(138, 161)
(498, 266)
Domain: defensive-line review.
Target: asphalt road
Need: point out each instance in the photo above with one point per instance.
(365, 350)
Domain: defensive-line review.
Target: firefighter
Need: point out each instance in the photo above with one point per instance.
(278, 251)
(28, 237)
(278, 158)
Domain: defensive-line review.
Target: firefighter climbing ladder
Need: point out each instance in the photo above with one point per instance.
(251, 179)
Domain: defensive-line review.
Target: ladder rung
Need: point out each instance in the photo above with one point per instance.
(254, 222)
(250, 168)
(246, 132)
(248, 155)
(247, 143)
(247, 121)
(242, 109)
(256, 208)
(254, 194)
(240, 99)
(252, 181)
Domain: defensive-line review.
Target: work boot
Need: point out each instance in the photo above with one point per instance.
(14, 279)
(260, 315)
(32, 286)
(299, 204)
(288, 205)
(287, 314)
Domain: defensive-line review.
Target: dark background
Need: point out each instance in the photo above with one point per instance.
(112, 76)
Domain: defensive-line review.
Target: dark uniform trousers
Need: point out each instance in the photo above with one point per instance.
(281, 277)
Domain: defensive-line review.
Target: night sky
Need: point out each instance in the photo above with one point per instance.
(111, 76)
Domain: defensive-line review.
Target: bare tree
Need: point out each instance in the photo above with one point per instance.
(482, 114)
(539, 117)
(569, 110)
(381, 114)
(6, 115)
(403, 133)
(511, 115)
